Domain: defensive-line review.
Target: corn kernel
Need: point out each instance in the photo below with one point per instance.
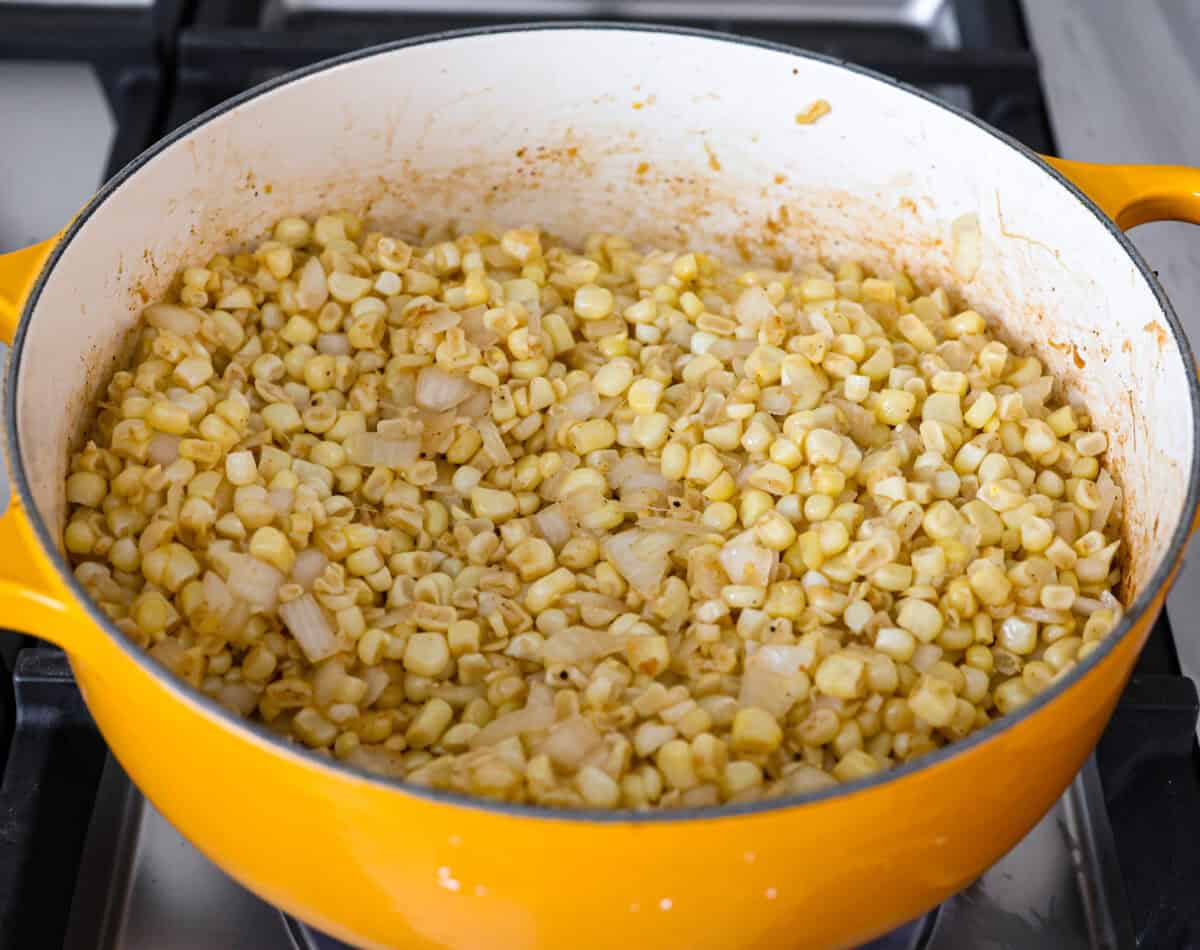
(755, 731)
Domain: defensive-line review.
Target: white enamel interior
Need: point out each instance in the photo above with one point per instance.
(670, 139)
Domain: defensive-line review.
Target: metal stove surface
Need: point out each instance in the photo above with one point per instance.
(143, 887)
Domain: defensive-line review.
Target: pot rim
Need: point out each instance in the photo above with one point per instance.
(259, 734)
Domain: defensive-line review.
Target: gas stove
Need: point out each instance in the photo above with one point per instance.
(86, 863)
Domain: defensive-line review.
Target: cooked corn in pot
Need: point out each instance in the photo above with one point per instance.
(596, 527)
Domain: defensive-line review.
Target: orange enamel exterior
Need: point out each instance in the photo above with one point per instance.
(1137, 194)
(417, 873)
(376, 864)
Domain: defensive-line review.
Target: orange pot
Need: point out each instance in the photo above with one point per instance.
(668, 136)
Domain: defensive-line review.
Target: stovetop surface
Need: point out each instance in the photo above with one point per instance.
(86, 860)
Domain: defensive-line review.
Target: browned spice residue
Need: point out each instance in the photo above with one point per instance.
(781, 220)
(1077, 357)
(815, 110)
(643, 167)
(713, 162)
(1160, 335)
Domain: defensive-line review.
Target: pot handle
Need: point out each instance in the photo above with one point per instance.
(32, 597)
(17, 273)
(1136, 194)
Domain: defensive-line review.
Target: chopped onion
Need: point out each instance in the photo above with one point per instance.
(820, 323)
(553, 526)
(773, 679)
(234, 622)
(747, 562)
(398, 430)
(632, 472)
(705, 576)
(958, 357)
(163, 449)
(281, 500)
(753, 306)
(333, 344)
(800, 376)
(403, 389)
(785, 657)
(493, 442)
(1044, 615)
(1106, 488)
(862, 424)
(476, 405)
(966, 242)
(309, 625)
(217, 597)
(586, 598)
(437, 321)
(681, 334)
(579, 645)
(254, 581)
(582, 502)
(435, 426)
(570, 742)
(439, 390)
(581, 403)
(373, 450)
(712, 407)
(776, 400)
(172, 318)
(310, 564)
(475, 330)
(641, 557)
(529, 719)
(377, 681)
(312, 289)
